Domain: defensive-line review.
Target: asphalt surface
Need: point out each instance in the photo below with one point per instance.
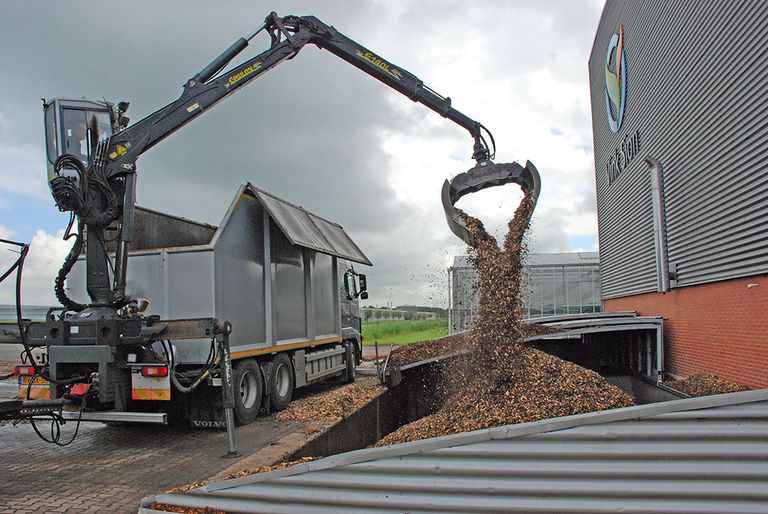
(110, 468)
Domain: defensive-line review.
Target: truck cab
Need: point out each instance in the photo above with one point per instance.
(353, 286)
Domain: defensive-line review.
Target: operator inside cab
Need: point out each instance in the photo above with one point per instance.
(76, 141)
(82, 132)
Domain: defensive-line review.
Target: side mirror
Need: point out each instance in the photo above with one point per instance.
(363, 295)
(363, 284)
(350, 287)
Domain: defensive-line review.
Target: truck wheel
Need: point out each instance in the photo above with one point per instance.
(350, 374)
(248, 391)
(282, 382)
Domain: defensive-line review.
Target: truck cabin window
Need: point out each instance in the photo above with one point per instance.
(350, 284)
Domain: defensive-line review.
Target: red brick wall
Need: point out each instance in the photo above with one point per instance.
(719, 328)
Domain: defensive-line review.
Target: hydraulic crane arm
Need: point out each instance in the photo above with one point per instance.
(289, 35)
(107, 188)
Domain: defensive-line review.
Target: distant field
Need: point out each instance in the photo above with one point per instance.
(403, 332)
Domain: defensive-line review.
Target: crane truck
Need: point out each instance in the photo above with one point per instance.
(99, 352)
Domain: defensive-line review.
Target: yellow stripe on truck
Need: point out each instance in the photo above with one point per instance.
(36, 392)
(280, 348)
(151, 394)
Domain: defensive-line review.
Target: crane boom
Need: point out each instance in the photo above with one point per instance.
(289, 36)
(107, 188)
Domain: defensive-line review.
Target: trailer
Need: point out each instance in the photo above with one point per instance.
(283, 278)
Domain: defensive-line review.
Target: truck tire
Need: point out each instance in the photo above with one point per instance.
(248, 390)
(350, 374)
(283, 380)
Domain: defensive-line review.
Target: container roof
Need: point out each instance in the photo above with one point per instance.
(303, 228)
(694, 455)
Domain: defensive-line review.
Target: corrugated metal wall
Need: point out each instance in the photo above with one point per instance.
(686, 456)
(696, 93)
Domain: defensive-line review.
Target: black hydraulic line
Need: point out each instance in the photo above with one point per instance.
(61, 277)
(210, 364)
(56, 421)
(19, 267)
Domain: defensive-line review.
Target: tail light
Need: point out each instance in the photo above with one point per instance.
(24, 371)
(154, 371)
(79, 389)
(362, 338)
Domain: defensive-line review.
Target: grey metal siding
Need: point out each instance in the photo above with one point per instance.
(323, 294)
(239, 261)
(289, 295)
(697, 95)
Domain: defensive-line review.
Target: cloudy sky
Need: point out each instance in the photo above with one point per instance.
(315, 130)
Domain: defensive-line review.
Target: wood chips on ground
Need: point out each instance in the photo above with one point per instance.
(705, 384)
(194, 510)
(332, 405)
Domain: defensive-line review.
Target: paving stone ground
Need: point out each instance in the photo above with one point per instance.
(109, 468)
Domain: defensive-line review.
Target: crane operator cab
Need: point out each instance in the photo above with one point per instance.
(75, 127)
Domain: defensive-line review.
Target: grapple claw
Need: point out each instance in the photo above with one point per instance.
(485, 174)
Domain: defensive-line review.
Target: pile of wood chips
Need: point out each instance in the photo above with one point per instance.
(500, 381)
(423, 350)
(332, 405)
(533, 386)
(705, 384)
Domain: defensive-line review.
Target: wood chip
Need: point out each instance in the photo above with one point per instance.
(332, 405)
(705, 384)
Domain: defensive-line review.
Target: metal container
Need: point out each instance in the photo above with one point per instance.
(271, 268)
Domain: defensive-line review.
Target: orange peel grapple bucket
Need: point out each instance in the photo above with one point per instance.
(486, 174)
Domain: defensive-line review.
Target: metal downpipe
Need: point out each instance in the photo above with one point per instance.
(659, 224)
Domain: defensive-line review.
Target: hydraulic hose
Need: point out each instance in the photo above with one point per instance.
(199, 380)
(19, 267)
(61, 277)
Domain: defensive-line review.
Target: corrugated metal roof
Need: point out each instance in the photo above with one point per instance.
(309, 230)
(544, 259)
(694, 455)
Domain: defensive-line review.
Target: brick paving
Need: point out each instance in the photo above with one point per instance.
(109, 468)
